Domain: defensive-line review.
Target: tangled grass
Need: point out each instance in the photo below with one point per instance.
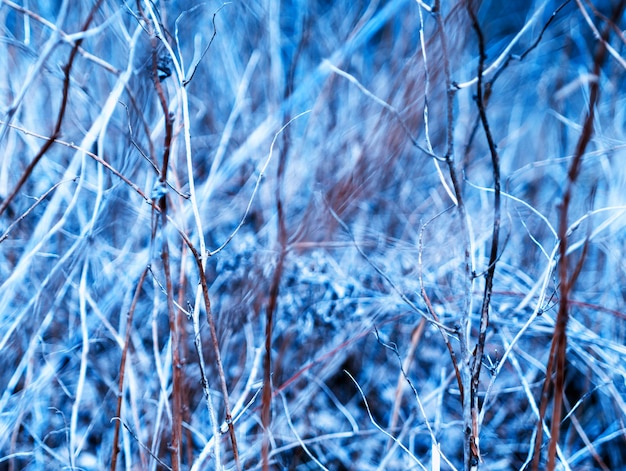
(312, 235)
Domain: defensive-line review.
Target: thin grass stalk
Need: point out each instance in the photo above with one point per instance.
(120, 390)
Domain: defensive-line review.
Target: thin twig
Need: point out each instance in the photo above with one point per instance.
(375, 424)
(173, 313)
(477, 359)
(67, 68)
(120, 390)
(257, 184)
(206, 49)
(37, 202)
(465, 324)
(134, 435)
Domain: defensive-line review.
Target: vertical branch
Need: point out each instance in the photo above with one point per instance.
(266, 400)
(185, 414)
(465, 326)
(173, 313)
(558, 347)
(120, 390)
(493, 254)
(200, 257)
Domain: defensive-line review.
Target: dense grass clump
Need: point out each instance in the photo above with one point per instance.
(312, 235)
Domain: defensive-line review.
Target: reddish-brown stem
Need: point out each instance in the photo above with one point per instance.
(216, 351)
(216, 347)
(173, 312)
(558, 346)
(59, 121)
(266, 401)
(120, 390)
(182, 281)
